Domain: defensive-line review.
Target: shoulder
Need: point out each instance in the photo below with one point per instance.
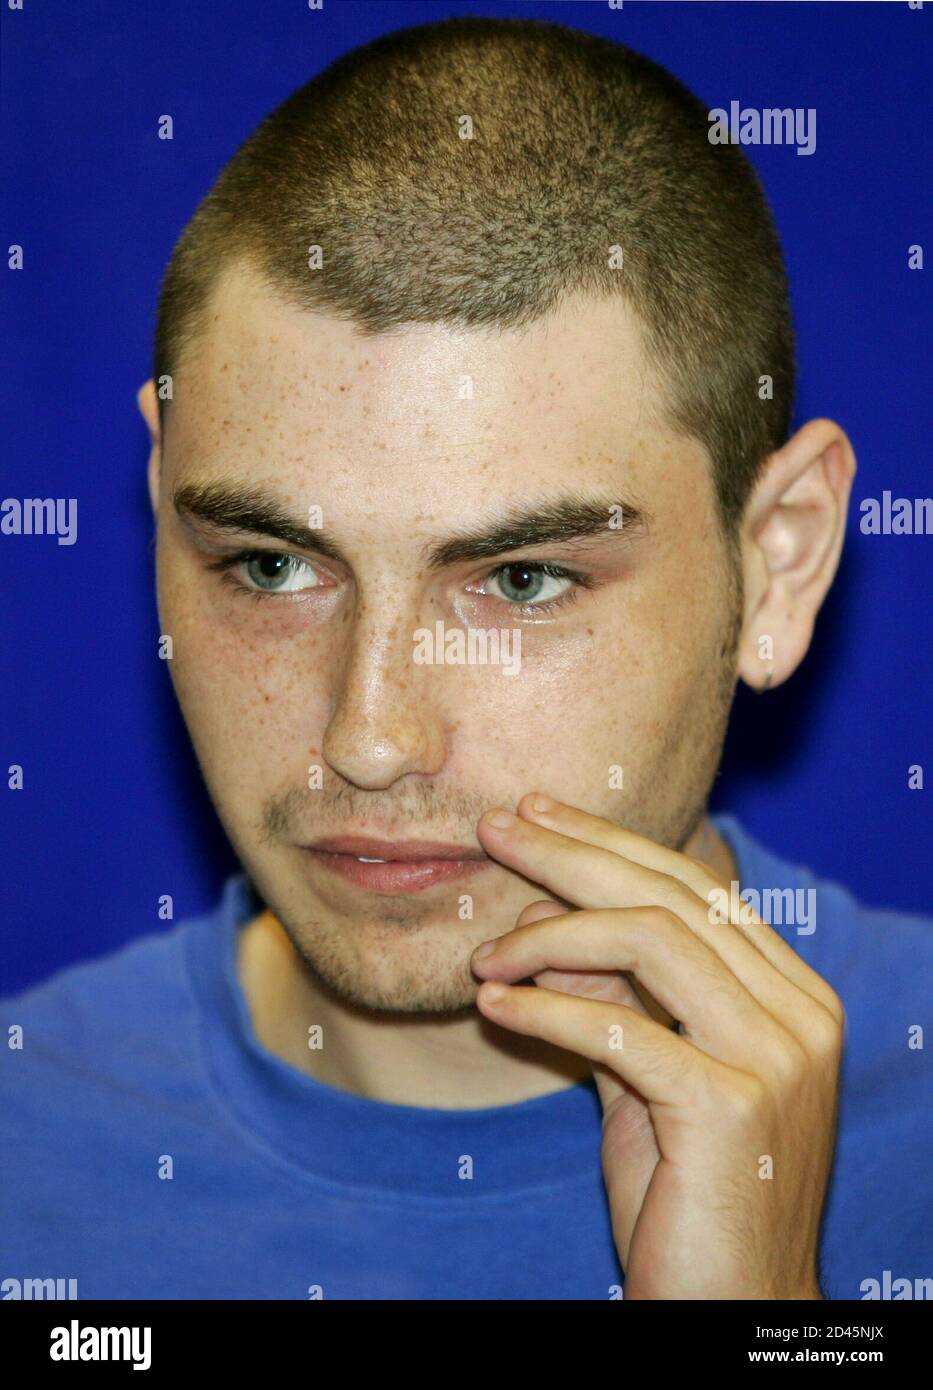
(823, 919)
(876, 952)
(111, 1022)
(877, 959)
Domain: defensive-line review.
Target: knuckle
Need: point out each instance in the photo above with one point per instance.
(655, 920)
(833, 1005)
(741, 1099)
(825, 1032)
(749, 1099)
(788, 1062)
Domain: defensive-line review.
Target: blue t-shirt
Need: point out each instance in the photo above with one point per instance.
(282, 1187)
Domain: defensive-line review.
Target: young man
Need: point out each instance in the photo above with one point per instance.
(474, 491)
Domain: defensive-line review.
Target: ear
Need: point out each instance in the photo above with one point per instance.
(148, 404)
(792, 534)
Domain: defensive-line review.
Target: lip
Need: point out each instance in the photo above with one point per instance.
(404, 851)
(410, 867)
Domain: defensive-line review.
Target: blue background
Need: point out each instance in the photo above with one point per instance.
(113, 813)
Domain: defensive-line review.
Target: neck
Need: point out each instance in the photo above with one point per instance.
(460, 1062)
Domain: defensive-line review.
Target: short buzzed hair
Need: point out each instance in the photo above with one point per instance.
(579, 148)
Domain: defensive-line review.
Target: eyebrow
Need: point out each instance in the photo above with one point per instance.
(571, 518)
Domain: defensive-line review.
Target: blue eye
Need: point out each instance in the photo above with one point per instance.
(534, 587)
(527, 583)
(266, 571)
(275, 572)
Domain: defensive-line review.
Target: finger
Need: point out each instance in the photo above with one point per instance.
(610, 988)
(608, 878)
(693, 873)
(687, 978)
(537, 911)
(660, 1065)
(596, 878)
(610, 985)
(576, 871)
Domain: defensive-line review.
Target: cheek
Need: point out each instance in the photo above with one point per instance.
(609, 702)
(552, 726)
(254, 716)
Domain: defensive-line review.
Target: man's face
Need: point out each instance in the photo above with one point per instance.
(403, 442)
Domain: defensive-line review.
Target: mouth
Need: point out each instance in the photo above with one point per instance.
(396, 866)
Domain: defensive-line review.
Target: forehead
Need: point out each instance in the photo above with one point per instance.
(275, 391)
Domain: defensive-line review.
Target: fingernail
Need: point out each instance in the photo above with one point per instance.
(486, 949)
(542, 804)
(501, 820)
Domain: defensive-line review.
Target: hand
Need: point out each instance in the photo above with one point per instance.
(717, 1139)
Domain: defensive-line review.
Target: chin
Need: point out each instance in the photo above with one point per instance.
(396, 974)
(395, 992)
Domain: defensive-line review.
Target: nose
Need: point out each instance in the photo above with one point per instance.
(387, 719)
